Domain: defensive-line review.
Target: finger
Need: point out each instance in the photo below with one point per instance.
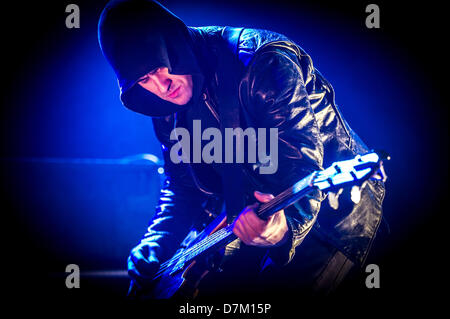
(252, 233)
(263, 197)
(134, 289)
(146, 266)
(134, 273)
(240, 233)
(252, 222)
(249, 238)
(248, 234)
(275, 218)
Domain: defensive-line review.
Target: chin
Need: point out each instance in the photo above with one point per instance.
(181, 101)
(178, 102)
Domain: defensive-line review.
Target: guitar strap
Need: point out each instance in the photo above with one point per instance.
(228, 73)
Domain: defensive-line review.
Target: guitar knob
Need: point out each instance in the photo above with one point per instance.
(355, 193)
(333, 198)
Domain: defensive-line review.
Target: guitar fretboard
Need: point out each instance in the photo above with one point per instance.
(209, 242)
(225, 235)
(222, 237)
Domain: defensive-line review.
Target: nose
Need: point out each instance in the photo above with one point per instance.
(161, 80)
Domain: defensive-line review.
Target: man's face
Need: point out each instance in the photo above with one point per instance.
(170, 87)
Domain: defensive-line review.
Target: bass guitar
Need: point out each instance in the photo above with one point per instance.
(177, 274)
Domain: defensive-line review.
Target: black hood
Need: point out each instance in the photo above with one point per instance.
(138, 36)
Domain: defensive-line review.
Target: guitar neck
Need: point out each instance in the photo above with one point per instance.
(225, 235)
(286, 198)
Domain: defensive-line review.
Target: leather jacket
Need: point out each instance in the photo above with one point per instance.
(278, 87)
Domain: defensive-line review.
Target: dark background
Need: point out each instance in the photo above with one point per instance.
(64, 200)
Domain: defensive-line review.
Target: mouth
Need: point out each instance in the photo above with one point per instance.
(174, 93)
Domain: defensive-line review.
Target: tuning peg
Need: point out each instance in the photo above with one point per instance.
(380, 174)
(383, 155)
(355, 192)
(333, 198)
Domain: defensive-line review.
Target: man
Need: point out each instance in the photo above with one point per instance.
(237, 77)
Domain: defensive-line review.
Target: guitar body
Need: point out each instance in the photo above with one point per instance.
(184, 282)
(167, 286)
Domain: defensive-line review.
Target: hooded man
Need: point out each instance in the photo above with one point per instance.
(239, 78)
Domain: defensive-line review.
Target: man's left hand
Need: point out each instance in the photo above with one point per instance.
(255, 231)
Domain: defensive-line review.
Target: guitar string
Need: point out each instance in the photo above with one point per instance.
(219, 235)
(304, 183)
(212, 239)
(207, 242)
(278, 199)
(207, 245)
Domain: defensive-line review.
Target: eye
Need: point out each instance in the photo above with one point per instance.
(143, 80)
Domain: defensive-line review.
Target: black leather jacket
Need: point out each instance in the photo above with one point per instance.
(279, 87)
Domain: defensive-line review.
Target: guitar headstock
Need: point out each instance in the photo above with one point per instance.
(351, 172)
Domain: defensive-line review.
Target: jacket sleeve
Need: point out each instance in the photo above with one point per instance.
(274, 95)
(179, 204)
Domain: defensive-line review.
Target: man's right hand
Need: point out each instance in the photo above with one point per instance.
(142, 266)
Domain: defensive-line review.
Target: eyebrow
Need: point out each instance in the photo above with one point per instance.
(151, 72)
(154, 70)
(143, 77)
